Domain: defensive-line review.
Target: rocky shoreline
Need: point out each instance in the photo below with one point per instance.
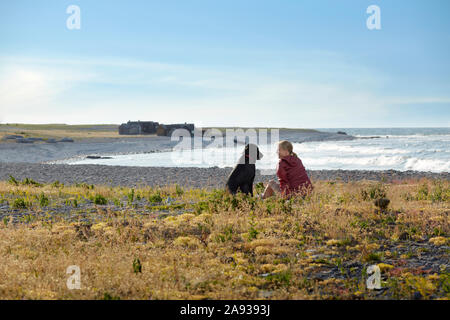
(187, 177)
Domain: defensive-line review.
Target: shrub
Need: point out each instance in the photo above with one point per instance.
(56, 184)
(43, 200)
(372, 257)
(20, 203)
(31, 182)
(281, 278)
(252, 232)
(13, 181)
(201, 206)
(117, 202)
(374, 192)
(259, 188)
(130, 196)
(84, 185)
(155, 198)
(422, 192)
(178, 190)
(100, 200)
(439, 193)
(137, 266)
(108, 296)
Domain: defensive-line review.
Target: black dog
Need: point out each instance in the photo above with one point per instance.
(242, 176)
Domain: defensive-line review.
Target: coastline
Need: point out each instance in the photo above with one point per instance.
(49, 152)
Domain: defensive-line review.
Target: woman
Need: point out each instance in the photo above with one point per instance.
(291, 173)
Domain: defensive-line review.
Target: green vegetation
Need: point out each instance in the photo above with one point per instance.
(20, 203)
(100, 200)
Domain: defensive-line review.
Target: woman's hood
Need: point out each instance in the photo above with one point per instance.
(291, 161)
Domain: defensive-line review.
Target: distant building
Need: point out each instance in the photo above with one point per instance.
(168, 129)
(138, 127)
(150, 127)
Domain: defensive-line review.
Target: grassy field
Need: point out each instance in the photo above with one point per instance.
(58, 131)
(174, 243)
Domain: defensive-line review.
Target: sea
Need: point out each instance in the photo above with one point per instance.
(402, 149)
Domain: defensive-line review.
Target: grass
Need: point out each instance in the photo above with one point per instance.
(209, 245)
(58, 131)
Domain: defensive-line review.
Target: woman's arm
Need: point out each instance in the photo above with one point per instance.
(282, 177)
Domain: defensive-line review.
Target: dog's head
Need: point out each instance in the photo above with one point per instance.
(252, 153)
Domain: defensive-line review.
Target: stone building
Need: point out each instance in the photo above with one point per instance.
(150, 127)
(167, 129)
(138, 127)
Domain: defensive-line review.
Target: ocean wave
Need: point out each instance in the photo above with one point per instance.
(347, 148)
(400, 163)
(432, 165)
(419, 154)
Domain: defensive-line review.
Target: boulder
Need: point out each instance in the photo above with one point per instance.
(97, 157)
(34, 139)
(27, 140)
(12, 137)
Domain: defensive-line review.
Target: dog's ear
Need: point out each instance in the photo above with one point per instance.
(260, 155)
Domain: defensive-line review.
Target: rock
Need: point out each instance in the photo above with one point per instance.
(51, 141)
(25, 140)
(66, 140)
(169, 200)
(97, 157)
(265, 275)
(12, 137)
(342, 132)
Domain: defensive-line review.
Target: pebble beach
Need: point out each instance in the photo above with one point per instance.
(186, 177)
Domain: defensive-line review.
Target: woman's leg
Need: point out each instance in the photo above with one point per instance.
(271, 189)
(268, 192)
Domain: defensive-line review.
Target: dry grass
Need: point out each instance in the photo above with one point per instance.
(58, 131)
(226, 248)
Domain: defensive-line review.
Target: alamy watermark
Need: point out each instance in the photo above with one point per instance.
(73, 22)
(374, 20)
(74, 281)
(200, 146)
(374, 280)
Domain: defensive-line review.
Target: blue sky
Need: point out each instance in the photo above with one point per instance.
(221, 63)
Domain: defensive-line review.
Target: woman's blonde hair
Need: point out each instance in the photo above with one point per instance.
(286, 145)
